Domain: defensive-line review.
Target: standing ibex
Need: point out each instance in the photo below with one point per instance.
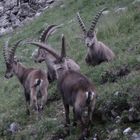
(97, 51)
(76, 89)
(34, 81)
(41, 55)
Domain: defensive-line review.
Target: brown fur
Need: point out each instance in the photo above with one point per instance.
(73, 87)
(34, 82)
(97, 51)
(76, 90)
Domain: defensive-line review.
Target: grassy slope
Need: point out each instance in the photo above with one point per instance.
(120, 31)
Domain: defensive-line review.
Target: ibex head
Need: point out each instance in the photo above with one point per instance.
(40, 55)
(59, 64)
(10, 61)
(90, 35)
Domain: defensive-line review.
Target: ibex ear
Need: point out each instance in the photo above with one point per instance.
(63, 48)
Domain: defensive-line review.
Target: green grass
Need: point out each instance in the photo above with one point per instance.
(121, 32)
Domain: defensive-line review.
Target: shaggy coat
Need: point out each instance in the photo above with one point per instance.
(76, 90)
(34, 81)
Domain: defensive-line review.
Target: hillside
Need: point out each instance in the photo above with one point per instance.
(117, 82)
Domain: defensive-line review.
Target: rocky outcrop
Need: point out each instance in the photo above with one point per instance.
(14, 13)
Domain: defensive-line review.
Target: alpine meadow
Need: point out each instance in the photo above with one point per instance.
(116, 115)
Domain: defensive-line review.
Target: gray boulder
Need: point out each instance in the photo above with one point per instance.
(9, 4)
(26, 11)
(4, 22)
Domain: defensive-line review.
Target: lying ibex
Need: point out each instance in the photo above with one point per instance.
(41, 55)
(97, 51)
(76, 89)
(34, 81)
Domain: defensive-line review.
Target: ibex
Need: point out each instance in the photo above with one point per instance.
(76, 90)
(41, 55)
(97, 51)
(34, 81)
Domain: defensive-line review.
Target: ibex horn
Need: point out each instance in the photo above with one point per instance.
(63, 49)
(5, 51)
(95, 20)
(47, 32)
(45, 47)
(13, 49)
(81, 23)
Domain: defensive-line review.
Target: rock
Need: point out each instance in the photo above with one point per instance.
(1, 10)
(14, 14)
(95, 137)
(16, 23)
(4, 22)
(37, 14)
(9, 4)
(127, 131)
(118, 119)
(14, 127)
(42, 3)
(50, 1)
(113, 135)
(15, 10)
(5, 30)
(8, 12)
(135, 136)
(26, 11)
(27, 20)
(117, 93)
(12, 17)
(133, 115)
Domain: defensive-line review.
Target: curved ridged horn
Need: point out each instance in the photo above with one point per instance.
(45, 47)
(12, 50)
(5, 51)
(81, 23)
(95, 20)
(63, 49)
(47, 32)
